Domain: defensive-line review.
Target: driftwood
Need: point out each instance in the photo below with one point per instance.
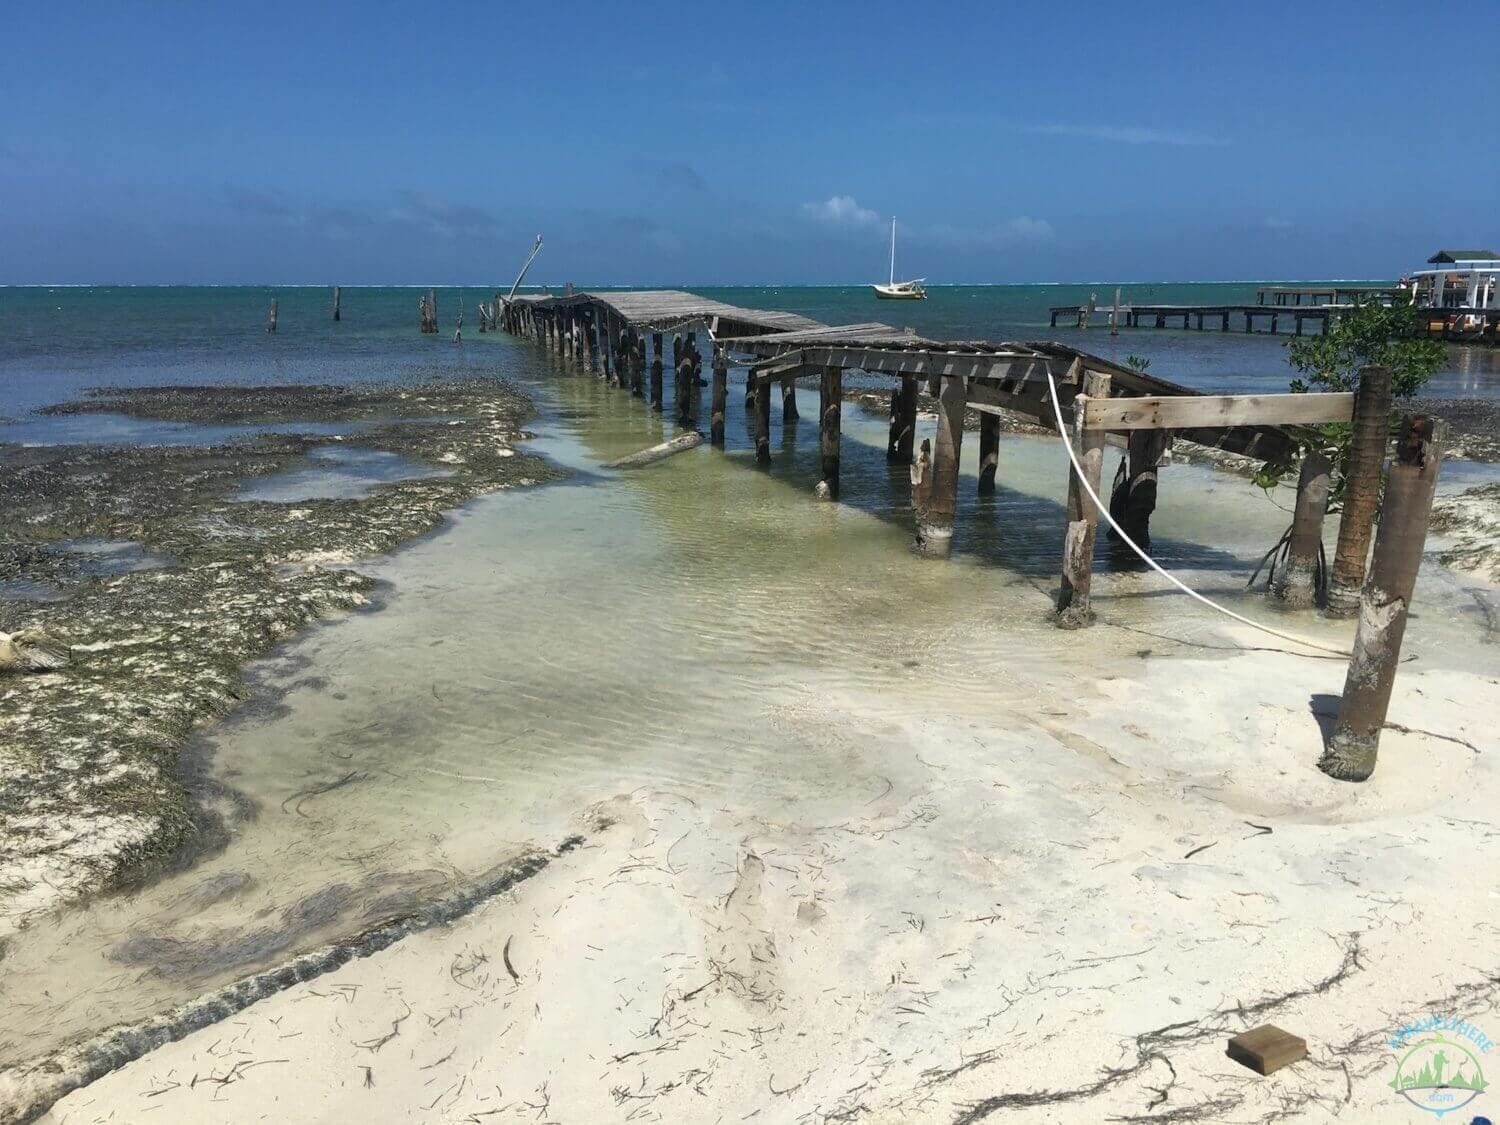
(679, 444)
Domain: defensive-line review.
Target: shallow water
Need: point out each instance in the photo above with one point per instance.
(338, 473)
(669, 627)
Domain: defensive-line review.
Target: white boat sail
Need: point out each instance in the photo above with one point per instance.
(899, 290)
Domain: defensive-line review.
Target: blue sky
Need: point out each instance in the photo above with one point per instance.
(677, 143)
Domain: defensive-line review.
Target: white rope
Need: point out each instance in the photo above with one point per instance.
(1152, 563)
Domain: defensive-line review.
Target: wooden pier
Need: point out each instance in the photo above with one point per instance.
(1323, 294)
(1094, 399)
(1249, 318)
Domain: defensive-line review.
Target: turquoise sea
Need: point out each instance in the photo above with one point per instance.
(57, 341)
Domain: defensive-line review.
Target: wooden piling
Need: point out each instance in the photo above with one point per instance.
(1296, 584)
(989, 452)
(336, 294)
(683, 383)
(761, 388)
(1073, 610)
(830, 413)
(656, 382)
(903, 422)
(271, 323)
(1133, 502)
(637, 364)
(789, 399)
(935, 516)
(1372, 428)
(719, 406)
(1386, 599)
(1114, 316)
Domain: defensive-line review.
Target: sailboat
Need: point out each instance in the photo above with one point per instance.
(899, 290)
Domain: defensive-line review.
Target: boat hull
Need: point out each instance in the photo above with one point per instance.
(898, 293)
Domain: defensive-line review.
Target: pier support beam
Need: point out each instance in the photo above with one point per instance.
(1372, 428)
(656, 382)
(337, 293)
(1073, 608)
(720, 401)
(830, 411)
(271, 323)
(903, 422)
(1351, 752)
(1297, 585)
(761, 414)
(989, 452)
(789, 399)
(935, 493)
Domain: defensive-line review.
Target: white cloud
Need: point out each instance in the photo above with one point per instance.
(840, 210)
(1129, 135)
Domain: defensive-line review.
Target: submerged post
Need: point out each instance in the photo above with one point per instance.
(719, 406)
(1351, 752)
(1372, 431)
(989, 452)
(830, 411)
(1114, 317)
(940, 492)
(271, 324)
(1073, 608)
(903, 421)
(656, 382)
(1297, 584)
(336, 295)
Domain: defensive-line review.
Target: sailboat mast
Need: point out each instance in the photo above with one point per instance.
(893, 249)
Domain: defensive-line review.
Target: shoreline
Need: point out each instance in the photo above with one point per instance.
(89, 776)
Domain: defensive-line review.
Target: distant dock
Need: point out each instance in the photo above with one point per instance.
(1275, 304)
(1252, 317)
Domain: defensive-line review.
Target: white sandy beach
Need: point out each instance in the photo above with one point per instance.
(1005, 923)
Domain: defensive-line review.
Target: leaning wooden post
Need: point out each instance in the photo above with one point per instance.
(903, 421)
(1296, 584)
(831, 404)
(935, 517)
(271, 324)
(1372, 431)
(989, 452)
(720, 402)
(336, 295)
(1409, 487)
(762, 415)
(1073, 608)
(789, 399)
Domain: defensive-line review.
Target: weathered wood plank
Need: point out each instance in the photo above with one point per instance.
(1209, 411)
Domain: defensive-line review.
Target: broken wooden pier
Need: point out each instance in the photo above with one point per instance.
(1098, 401)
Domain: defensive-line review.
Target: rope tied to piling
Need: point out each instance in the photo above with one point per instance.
(1103, 511)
